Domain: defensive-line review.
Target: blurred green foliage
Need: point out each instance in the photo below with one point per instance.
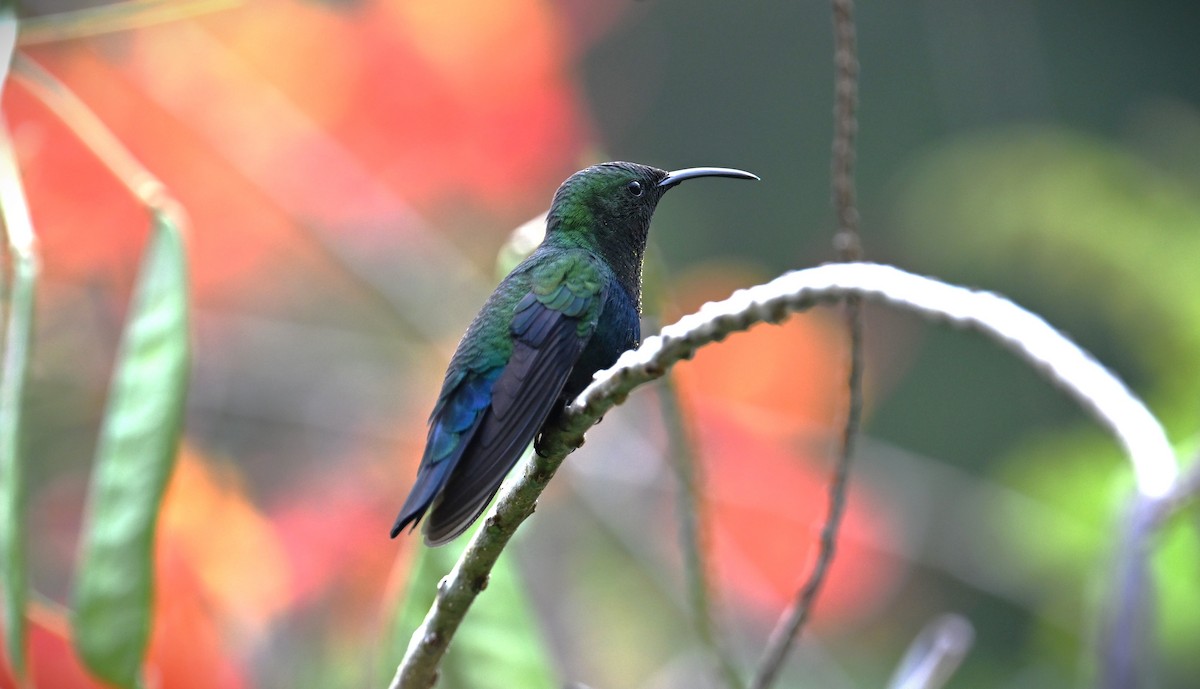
(1079, 218)
(1108, 241)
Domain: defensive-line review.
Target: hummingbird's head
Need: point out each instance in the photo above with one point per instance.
(613, 202)
(607, 208)
(605, 200)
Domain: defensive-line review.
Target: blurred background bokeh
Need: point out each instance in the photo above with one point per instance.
(352, 169)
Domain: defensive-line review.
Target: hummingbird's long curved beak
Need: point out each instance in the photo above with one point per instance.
(676, 176)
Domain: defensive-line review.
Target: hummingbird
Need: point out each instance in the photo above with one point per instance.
(568, 310)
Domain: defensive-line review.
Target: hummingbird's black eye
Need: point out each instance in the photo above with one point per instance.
(634, 187)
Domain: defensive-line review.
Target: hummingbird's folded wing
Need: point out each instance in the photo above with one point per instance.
(456, 417)
(551, 327)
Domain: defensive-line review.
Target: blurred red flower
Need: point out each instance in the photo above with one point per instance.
(282, 112)
(767, 406)
(333, 528)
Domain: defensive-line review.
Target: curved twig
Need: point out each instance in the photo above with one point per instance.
(1033, 340)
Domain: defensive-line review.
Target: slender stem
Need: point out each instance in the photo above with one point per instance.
(1126, 629)
(848, 246)
(14, 373)
(788, 627)
(691, 530)
(95, 135)
(1127, 626)
(845, 57)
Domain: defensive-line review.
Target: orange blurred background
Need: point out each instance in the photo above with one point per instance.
(326, 155)
(352, 168)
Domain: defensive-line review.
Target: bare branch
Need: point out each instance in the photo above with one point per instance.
(1032, 339)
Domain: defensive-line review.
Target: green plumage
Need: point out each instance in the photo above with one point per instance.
(565, 312)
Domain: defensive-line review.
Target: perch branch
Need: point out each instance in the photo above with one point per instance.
(1033, 340)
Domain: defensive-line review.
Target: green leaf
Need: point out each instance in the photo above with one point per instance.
(499, 643)
(13, 373)
(139, 438)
